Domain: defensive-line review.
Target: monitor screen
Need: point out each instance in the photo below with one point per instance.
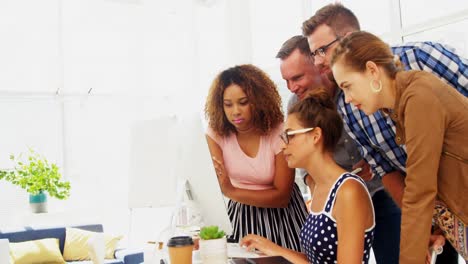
(203, 191)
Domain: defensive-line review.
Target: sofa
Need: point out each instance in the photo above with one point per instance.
(122, 256)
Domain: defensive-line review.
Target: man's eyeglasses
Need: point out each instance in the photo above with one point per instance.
(322, 50)
(287, 135)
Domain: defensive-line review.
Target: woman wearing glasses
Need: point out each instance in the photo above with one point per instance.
(431, 121)
(340, 227)
(243, 109)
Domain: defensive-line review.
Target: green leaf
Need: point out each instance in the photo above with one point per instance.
(36, 174)
(211, 232)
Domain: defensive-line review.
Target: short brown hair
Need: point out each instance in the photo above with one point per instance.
(356, 49)
(319, 110)
(289, 46)
(339, 18)
(261, 92)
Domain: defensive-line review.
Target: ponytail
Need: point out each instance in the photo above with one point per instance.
(319, 110)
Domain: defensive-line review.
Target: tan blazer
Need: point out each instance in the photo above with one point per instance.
(432, 120)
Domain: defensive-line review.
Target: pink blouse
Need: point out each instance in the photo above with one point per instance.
(245, 172)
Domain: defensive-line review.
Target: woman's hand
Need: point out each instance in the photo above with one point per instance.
(223, 178)
(260, 243)
(269, 248)
(436, 241)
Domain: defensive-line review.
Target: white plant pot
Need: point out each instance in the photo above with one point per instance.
(213, 251)
(38, 203)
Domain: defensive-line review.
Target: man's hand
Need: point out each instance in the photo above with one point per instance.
(394, 183)
(366, 172)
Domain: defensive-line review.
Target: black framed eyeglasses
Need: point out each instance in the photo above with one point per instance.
(323, 50)
(287, 135)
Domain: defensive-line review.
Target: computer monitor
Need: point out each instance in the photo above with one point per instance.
(168, 152)
(195, 163)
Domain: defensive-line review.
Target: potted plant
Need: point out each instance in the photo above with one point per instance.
(37, 176)
(213, 245)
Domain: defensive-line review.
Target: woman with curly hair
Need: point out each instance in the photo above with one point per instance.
(243, 109)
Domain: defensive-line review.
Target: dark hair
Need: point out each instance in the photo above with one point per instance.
(289, 46)
(319, 110)
(360, 47)
(260, 90)
(339, 18)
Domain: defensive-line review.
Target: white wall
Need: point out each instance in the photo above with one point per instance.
(81, 73)
(136, 60)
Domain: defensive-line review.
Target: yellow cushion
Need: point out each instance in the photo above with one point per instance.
(76, 244)
(36, 251)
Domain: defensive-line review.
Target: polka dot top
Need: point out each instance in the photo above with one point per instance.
(319, 235)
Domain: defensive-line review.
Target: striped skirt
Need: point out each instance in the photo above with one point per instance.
(280, 225)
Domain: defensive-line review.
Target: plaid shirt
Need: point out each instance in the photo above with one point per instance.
(375, 134)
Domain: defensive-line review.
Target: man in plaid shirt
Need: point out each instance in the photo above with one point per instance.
(375, 134)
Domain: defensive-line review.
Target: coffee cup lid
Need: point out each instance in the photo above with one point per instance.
(180, 241)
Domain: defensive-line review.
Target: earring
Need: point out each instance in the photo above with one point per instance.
(375, 89)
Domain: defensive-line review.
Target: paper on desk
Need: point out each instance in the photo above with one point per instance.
(236, 251)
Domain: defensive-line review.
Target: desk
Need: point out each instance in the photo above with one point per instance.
(234, 251)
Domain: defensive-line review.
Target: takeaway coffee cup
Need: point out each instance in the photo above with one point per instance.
(180, 249)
